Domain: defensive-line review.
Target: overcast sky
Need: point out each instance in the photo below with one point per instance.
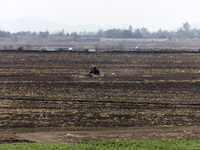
(152, 14)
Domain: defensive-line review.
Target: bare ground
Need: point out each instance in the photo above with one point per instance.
(139, 96)
(74, 135)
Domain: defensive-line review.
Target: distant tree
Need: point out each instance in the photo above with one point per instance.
(27, 33)
(62, 33)
(24, 33)
(127, 34)
(84, 33)
(34, 34)
(21, 48)
(5, 34)
(183, 33)
(130, 28)
(162, 34)
(75, 36)
(195, 32)
(67, 34)
(186, 27)
(113, 33)
(100, 33)
(137, 34)
(144, 31)
(91, 33)
(44, 34)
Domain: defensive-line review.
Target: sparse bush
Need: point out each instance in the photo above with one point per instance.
(21, 48)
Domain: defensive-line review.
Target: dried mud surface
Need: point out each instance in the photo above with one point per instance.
(44, 97)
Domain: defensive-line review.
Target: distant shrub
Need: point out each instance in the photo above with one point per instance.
(21, 48)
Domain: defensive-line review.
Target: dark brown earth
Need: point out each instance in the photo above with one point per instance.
(44, 97)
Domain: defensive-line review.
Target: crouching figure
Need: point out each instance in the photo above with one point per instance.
(95, 70)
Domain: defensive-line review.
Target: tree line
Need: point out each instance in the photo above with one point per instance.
(184, 32)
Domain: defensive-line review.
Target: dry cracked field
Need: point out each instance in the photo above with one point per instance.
(138, 94)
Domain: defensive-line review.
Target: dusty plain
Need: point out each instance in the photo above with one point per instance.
(139, 95)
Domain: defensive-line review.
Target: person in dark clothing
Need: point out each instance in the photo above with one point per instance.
(95, 70)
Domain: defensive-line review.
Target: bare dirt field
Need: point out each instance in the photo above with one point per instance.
(45, 98)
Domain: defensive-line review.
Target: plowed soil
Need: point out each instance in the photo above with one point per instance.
(45, 97)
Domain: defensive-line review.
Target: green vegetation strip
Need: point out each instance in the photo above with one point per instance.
(110, 145)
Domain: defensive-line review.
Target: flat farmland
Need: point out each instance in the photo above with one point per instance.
(48, 90)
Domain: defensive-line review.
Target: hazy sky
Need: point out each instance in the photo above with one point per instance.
(152, 14)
